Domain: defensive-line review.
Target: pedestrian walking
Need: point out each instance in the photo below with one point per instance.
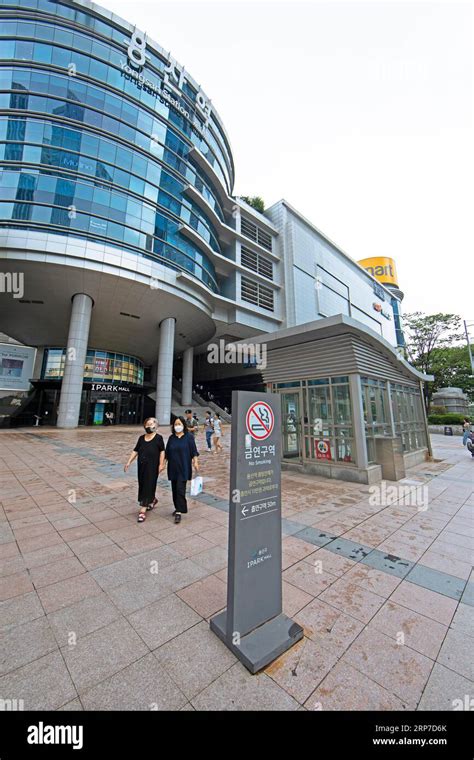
(208, 429)
(217, 432)
(150, 451)
(190, 422)
(181, 456)
(466, 429)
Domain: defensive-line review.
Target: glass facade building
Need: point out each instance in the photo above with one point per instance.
(117, 206)
(317, 421)
(87, 151)
(112, 383)
(111, 154)
(100, 367)
(362, 426)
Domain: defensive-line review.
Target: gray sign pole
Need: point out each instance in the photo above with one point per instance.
(253, 625)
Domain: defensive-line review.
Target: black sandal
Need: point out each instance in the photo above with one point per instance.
(141, 517)
(177, 517)
(152, 505)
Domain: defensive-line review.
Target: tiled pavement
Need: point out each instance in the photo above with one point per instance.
(98, 612)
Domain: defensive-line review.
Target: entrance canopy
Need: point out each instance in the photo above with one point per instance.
(352, 406)
(343, 345)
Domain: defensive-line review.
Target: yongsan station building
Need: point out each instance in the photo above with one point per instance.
(125, 255)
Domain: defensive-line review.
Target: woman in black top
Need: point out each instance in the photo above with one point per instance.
(181, 455)
(150, 450)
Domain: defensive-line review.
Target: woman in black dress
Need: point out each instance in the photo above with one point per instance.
(150, 450)
(181, 455)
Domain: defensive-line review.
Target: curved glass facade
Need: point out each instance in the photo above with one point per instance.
(87, 151)
(100, 367)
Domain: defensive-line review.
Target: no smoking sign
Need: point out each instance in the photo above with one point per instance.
(260, 420)
(323, 449)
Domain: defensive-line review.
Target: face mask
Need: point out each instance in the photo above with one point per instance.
(178, 428)
(150, 429)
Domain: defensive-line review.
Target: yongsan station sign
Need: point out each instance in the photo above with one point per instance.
(253, 625)
(170, 89)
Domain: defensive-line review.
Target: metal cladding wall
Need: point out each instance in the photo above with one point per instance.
(321, 281)
(104, 137)
(340, 355)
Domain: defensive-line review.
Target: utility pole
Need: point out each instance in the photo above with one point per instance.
(469, 346)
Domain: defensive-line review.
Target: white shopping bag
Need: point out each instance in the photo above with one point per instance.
(196, 486)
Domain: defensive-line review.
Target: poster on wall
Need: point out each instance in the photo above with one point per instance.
(322, 449)
(101, 366)
(16, 367)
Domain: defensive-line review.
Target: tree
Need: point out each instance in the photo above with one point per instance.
(452, 367)
(426, 334)
(255, 201)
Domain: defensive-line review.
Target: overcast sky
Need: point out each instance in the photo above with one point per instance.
(359, 114)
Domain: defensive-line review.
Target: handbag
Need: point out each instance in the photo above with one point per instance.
(196, 486)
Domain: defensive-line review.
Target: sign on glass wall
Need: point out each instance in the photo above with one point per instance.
(16, 367)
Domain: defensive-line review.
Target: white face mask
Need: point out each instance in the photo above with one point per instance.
(178, 428)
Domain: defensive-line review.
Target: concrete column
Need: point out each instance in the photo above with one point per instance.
(391, 418)
(187, 382)
(355, 389)
(71, 388)
(425, 421)
(164, 377)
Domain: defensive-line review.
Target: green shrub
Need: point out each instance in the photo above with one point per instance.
(437, 409)
(445, 419)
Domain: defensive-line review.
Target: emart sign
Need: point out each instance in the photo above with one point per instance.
(382, 268)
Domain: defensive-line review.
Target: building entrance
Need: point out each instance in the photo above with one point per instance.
(115, 408)
(291, 425)
(103, 412)
(98, 407)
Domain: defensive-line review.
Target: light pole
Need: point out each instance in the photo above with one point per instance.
(469, 345)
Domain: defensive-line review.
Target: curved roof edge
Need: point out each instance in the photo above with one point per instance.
(329, 327)
(98, 10)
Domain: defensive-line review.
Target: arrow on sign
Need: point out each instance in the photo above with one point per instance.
(244, 510)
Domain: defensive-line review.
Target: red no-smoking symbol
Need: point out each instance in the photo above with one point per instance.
(260, 420)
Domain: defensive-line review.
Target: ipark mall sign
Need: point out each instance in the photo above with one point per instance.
(170, 88)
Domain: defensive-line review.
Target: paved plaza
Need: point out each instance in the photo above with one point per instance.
(98, 612)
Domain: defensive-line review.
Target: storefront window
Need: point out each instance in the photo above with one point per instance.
(320, 407)
(408, 416)
(323, 413)
(342, 404)
(330, 431)
(54, 369)
(376, 415)
(100, 367)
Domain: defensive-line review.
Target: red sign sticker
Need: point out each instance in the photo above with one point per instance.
(260, 420)
(322, 449)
